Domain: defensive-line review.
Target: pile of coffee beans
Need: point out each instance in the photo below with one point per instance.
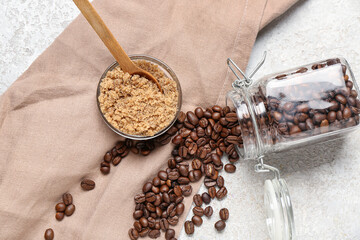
(302, 109)
(202, 137)
(65, 208)
(123, 148)
(49, 234)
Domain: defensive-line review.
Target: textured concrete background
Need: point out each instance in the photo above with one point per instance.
(323, 180)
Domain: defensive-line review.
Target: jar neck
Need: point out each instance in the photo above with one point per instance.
(250, 113)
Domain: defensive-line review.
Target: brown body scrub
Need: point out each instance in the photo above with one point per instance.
(134, 104)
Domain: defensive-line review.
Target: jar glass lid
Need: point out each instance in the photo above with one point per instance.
(279, 213)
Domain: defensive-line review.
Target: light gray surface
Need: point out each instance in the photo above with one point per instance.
(323, 180)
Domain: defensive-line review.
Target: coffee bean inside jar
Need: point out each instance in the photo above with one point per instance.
(312, 103)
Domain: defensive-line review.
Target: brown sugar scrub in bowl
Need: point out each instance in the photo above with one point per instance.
(133, 106)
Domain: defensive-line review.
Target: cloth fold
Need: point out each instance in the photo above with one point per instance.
(52, 136)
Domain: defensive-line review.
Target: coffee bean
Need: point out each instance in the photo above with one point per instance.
(192, 148)
(231, 168)
(212, 192)
(59, 216)
(173, 220)
(69, 210)
(60, 207)
(216, 116)
(221, 193)
(67, 199)
(220, 181)
(208, 182)
(341, 99)
(177, 190)
(197, 200)
(105, 170)
(181, 118)
(177, 140)
(162, 175)
(108, 157)
(209, 170)
(198, 211)
(147, 187)
(87, 184)
(231, 117)
(211, 122)
(154, 233)
(197, 220)
(144, 222)
(144, 232)
(173, 175)
(203, 123)
(197, 174)
(208, 113)
(183, 180)
(192, 118)
(180, 209)
(170, 233)
(199, 112)
(150, 197)
(224, 214)
(196, 164)
(186, 189)
(206, 198)
(49, 234)
(137, 226)
(156, 181)
(184, 171)
(294, 130)
(138, 214)
(189, 227)
(346, 113)
(220, 225)
(164, 224)
(208, 211)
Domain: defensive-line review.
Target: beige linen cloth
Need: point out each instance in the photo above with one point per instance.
(52, 136)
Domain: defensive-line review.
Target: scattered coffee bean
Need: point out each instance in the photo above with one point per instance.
(220, 181)
(189, 227)
(170, 234)
(59, 216)
(221, 193)
(212, 192)
(206, 198)
(230, 168)
(198, 200)
(197, 220)
(60, 207)
(49, 234)
(67, 199)
(208, 211)
(224, 214)
(198, 211)
(70, 209)
(87, 184)
(133, 234)
(220, 225)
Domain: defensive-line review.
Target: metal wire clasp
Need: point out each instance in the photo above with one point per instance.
(246, 81)
(261, 167)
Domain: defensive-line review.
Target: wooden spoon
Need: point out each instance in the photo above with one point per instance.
(110, 42)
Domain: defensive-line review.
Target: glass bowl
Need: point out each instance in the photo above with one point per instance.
(168, 72)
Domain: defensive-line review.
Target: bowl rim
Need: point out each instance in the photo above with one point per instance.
(168, 71)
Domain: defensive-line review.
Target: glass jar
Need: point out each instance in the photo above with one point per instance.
(309, 104)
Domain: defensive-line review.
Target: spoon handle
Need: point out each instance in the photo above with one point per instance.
(105, 35)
